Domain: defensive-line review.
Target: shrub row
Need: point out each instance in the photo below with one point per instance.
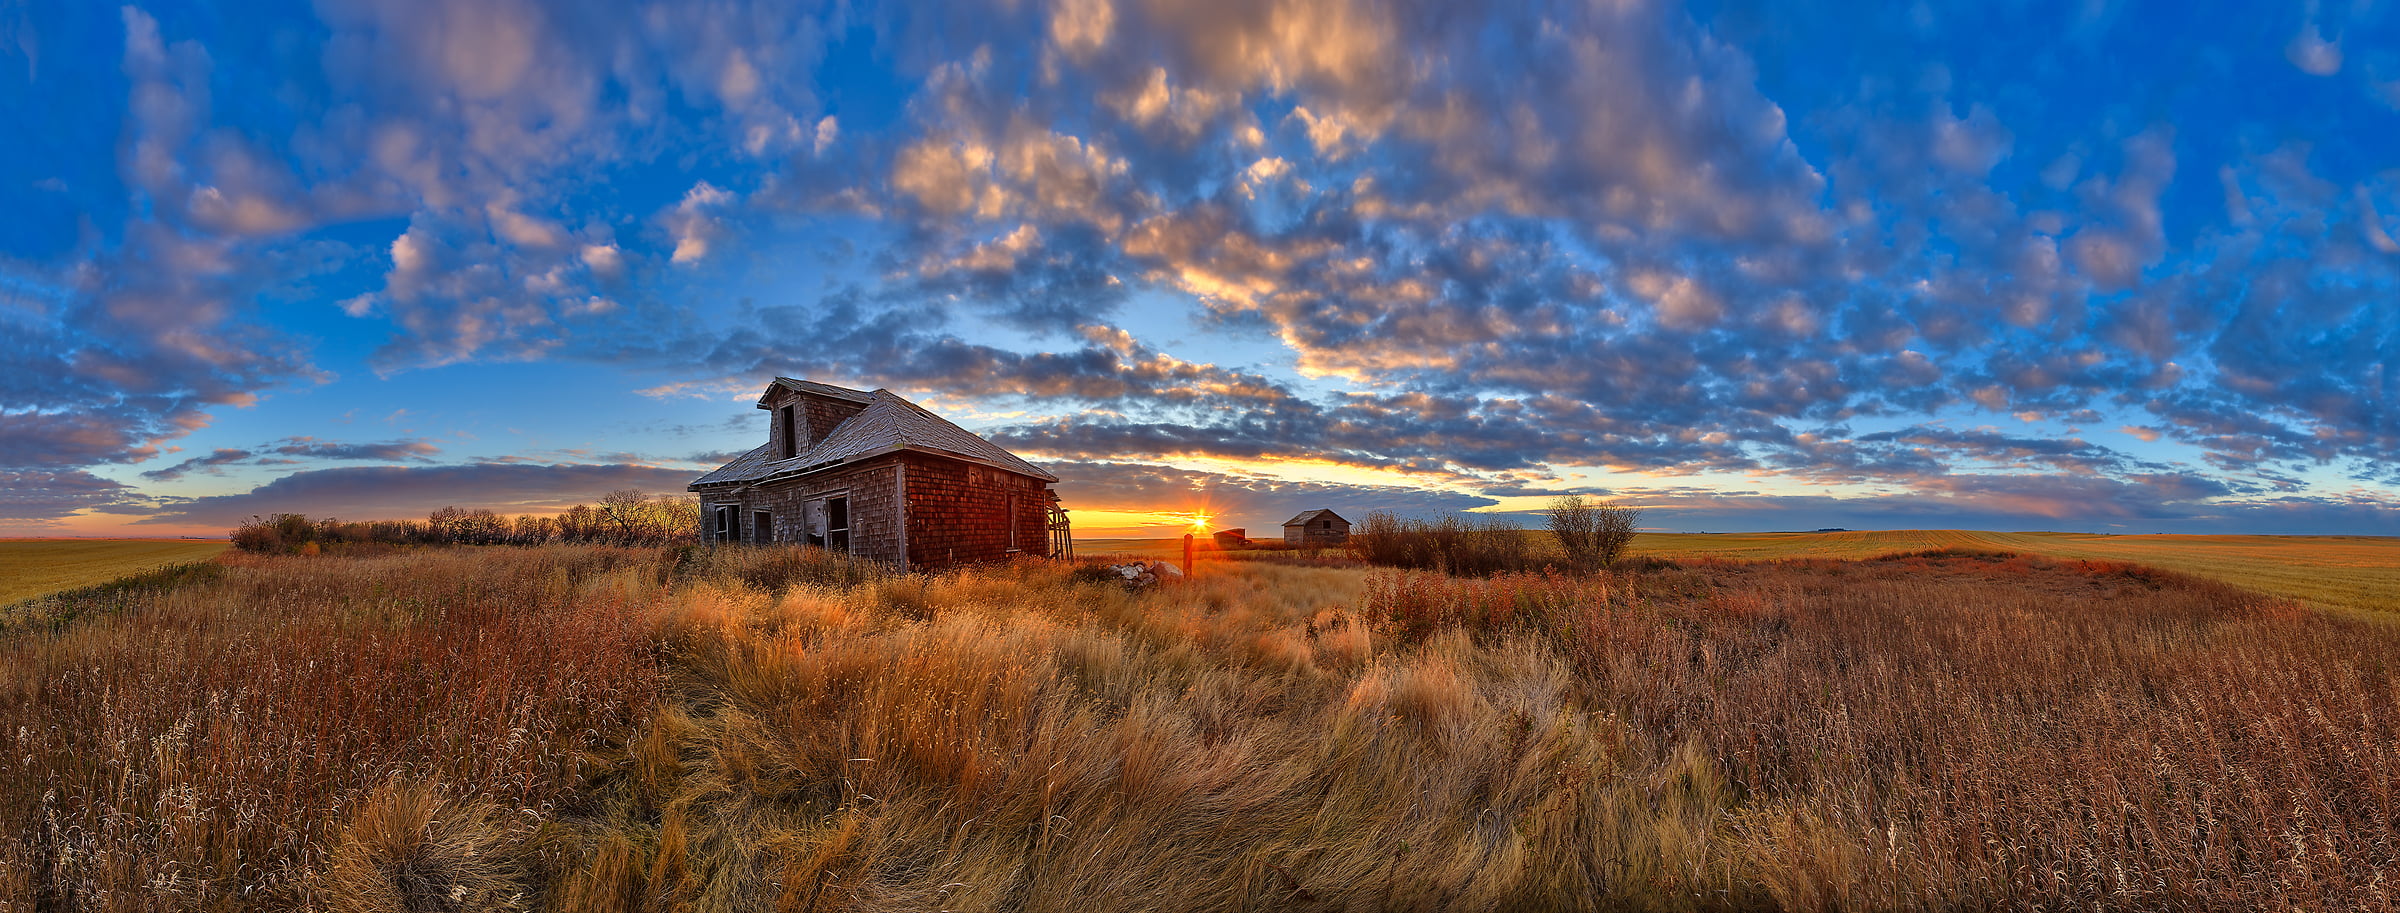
(1451, 544)
(626, 518)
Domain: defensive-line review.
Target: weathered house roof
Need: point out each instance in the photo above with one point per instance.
(1321, 513)
(888, 424)
(828, 391)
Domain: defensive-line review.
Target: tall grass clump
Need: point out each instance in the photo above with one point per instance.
(1450, 544)
(774, 568)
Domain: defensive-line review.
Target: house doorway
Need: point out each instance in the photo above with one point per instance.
(828, 521)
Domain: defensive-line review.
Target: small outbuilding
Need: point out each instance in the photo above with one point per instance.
(1316, 527)
(1236, 537)
(877, 476)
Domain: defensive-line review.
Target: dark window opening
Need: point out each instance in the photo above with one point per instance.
(762, 526)
(837, 524)
(724, 531)
(786, 429)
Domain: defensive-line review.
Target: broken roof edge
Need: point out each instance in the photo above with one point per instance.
(829, 391)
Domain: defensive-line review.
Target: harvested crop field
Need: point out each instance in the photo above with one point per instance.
(35, 567)
(2348, 572)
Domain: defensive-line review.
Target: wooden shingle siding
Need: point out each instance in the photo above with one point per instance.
(872, 487)
(958, 513)
(814, 418)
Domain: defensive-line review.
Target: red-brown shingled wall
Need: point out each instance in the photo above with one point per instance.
(958, 512)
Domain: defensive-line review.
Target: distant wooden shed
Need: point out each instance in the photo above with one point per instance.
(877, 476)
(1316, 527)
(1236, 537)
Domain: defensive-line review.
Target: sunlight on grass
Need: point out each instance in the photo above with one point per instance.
(33, 567)
(578, 728)
(2349, 572)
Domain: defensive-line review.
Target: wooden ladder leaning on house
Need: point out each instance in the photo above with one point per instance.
(1062, 537)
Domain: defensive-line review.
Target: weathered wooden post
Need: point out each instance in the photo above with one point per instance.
(1187, 554)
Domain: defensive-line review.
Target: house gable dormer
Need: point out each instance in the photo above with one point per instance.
(801, 414)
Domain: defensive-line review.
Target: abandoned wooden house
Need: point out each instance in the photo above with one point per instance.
(875, 475)
(1316, 527)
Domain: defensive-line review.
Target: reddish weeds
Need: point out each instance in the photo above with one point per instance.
(199, 749)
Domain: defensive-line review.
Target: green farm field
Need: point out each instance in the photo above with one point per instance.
(38, 567)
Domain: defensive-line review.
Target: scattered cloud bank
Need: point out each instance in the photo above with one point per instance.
(1490, 249)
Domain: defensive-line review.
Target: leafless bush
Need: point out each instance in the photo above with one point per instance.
(1618, 523)
(1594, 534)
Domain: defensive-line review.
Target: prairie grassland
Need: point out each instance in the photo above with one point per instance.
(2348, 572)
(35, 567)
(596, 729)
(2341, 572)
(204, 748)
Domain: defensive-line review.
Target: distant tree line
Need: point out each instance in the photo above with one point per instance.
(623, 517)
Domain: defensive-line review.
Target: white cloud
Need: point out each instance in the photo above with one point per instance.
(1080, 27)
(604, 260)
(522, 230)
(2312, 53)
(1681, 302)
(739, 81)
(693, 222)
(947, 176)
(828, 130)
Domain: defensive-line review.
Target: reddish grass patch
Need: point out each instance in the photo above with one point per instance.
(1942, 729)
(198, 749)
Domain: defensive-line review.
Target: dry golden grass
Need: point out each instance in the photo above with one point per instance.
(1901, 734)
(206, 748)
(35, 567)
(585, 729)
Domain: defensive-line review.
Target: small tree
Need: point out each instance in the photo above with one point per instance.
(443, 524)
(629, 510)
(1594, 533)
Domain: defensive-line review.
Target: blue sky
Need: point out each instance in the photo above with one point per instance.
(2115, 267)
